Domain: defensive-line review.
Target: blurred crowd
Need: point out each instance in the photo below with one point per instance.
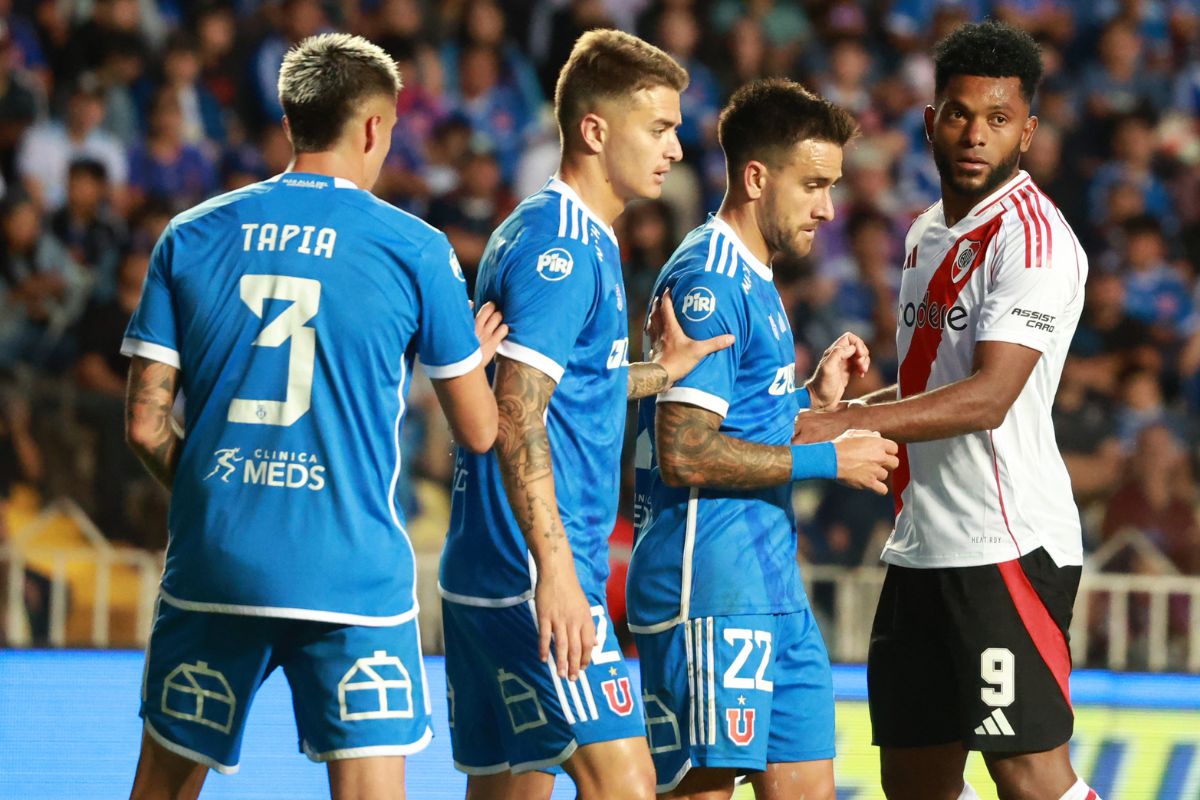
(116, 114)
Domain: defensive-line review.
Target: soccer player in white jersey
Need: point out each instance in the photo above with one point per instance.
(290, 313)
(969, 647)
(535, 678)
(735, 675)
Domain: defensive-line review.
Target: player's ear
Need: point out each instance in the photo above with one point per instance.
(287, 130)
(593, 130)
(1031, 124)
(754, 179)
(373, 132)
(930, 113)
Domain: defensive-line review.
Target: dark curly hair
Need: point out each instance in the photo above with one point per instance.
(990, 49)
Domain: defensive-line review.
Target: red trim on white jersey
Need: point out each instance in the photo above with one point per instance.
(1000, 494)
(943, 290)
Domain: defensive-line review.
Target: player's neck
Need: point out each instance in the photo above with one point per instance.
(330, 163)
(587, 179)
(742, 219)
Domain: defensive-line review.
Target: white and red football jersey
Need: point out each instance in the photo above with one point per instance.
(1010, 271)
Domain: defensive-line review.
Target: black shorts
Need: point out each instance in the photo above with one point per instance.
(976, 655)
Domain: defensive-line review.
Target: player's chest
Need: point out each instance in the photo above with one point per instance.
(767, 368)
(942, 283)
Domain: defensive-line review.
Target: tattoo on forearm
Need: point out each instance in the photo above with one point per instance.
(646, 378)
(523, 451)
(150, 395)
(692, 448)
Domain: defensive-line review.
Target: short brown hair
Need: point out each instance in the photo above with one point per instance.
(323, 80)
(766, 118)
(609, 63)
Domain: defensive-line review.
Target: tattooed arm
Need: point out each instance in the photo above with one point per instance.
(149, 428)
(692, 451)
(647, 378)
(523, 452)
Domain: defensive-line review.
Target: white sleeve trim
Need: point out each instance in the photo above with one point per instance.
(458, 368)
(1034, 341)
(154, 352)
(527, 355)
(695, 397)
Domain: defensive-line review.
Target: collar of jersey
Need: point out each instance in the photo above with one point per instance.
(723, 227)
(339, 183)
(557, 185)
(987, 204)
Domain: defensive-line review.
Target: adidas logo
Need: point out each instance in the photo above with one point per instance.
(996, 724)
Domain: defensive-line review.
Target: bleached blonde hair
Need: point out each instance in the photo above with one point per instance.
(322, 81)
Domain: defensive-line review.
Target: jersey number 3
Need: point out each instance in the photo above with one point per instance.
(305, 295)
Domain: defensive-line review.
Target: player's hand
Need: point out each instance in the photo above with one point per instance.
(565, 621)
(864, 460)
(671, 347)
(845, 358)
(490, 330)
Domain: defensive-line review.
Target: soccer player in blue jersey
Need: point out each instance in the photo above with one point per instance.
(290, 313)
(735, 676)
(525, 563)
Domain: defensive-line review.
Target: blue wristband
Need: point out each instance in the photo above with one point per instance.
(804, 397)
(814, 461)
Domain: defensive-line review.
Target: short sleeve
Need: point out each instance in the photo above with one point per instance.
(446, 342)
(1028, 292)
(705, 306)
(152, 331)
(547, 295)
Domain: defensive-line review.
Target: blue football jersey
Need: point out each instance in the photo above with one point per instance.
(714, 552)
(294, 309)
(554, 270)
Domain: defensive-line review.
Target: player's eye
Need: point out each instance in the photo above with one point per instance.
(999, 119)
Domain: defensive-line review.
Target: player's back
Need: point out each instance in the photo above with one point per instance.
(297, 308)
(703, 552)
(553, 268)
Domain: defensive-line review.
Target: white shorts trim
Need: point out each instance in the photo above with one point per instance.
(291, 613)
(530, 766)
(527, 355)
(695, 397)
(670, 785)
(369, 752)
(483, 602)
(457, 369)
(150, 350)
(492, 769)
(657, 627)
(189, 754)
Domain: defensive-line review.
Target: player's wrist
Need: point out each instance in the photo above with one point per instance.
(814, 461)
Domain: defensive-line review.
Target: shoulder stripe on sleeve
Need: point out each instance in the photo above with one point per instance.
(562, 215)
(1025, 225)
(574, 234)
(583, 226)
(1040, 201)
(726, 253)
(712, 250)
(1038, 237)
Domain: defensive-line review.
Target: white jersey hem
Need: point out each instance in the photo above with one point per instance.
(483, 602)
(309, 614)
(974, 560)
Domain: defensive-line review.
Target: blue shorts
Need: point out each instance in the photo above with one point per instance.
(509, 710)
(357, 691)
(736, 692)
